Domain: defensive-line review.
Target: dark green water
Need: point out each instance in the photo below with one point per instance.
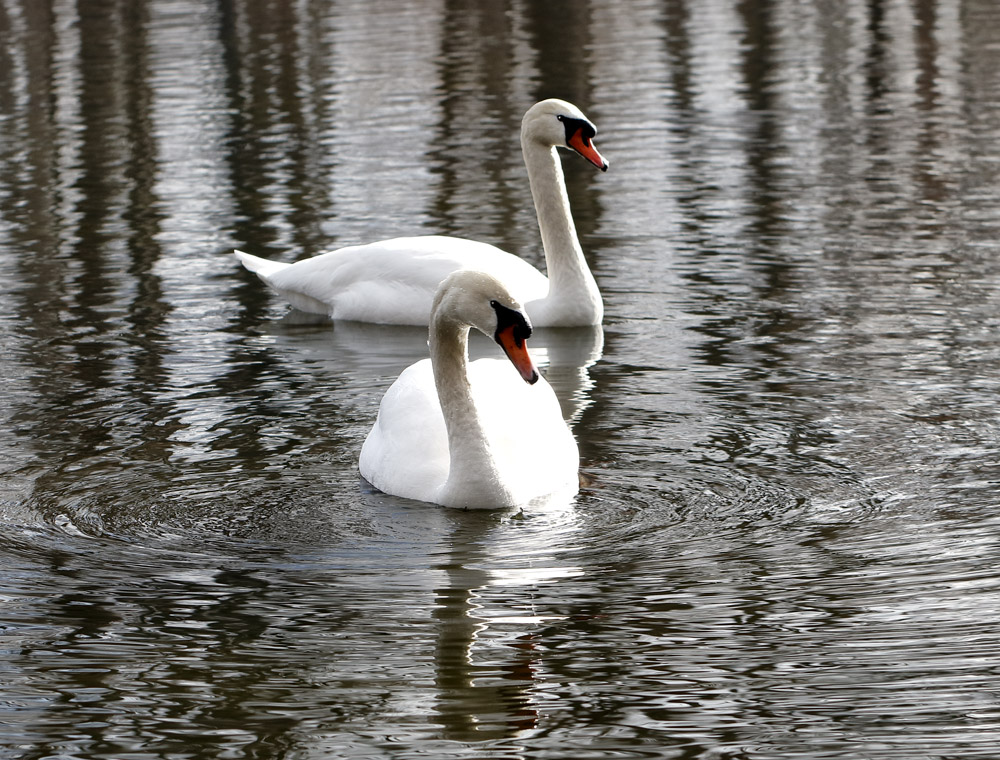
(789, 547)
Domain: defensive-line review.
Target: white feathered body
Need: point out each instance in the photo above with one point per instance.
(391, 281)
(394, 281)
(406, 452)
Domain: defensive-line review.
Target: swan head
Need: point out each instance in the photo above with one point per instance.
(468, 298)
(557, 123)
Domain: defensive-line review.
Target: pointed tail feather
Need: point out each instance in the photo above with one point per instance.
(263, 268)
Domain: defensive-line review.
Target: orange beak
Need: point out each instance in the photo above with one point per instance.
(517, 352)
(585, 147)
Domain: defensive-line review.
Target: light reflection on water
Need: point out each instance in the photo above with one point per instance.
(786, 542)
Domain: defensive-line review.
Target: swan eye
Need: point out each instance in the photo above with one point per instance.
(508, 317)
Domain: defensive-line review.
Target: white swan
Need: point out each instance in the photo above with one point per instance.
(394, 281)
(476, 435)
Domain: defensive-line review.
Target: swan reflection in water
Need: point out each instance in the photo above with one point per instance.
(564, 355)
(497, 572)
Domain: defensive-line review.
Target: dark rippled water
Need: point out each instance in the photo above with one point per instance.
(788, 547)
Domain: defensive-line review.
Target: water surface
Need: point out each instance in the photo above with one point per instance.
(787, 547)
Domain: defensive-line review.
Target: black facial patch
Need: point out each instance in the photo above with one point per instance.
(507, 317)
(587, 130)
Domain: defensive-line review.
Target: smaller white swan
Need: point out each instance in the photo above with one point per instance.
(480, 435)
(394, 281)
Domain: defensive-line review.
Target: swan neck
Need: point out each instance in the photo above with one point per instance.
(472, 470)
(548, 191)
(571, 283)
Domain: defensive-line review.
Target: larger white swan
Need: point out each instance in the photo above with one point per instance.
(479, 435)
(394, 281)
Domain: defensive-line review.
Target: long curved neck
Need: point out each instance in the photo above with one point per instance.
(572, 288)
(473, 479)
